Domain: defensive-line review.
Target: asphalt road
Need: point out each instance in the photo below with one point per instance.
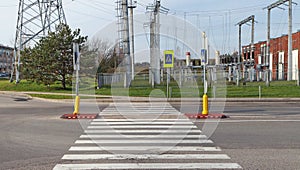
(256, 136)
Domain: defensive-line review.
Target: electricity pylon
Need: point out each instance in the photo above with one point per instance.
(35, 19)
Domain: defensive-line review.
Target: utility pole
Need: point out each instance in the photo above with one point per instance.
(131, 6)
(270, 7)
(245, 21)
(290, 45)
(35, 19)
(155, 10)
(252, 39)
(124, 44)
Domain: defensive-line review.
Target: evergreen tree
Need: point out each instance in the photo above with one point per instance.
(51, 59)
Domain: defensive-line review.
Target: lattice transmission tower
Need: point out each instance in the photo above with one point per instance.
(35, 19)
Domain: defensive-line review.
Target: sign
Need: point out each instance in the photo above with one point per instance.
(204, 55)
(76, 56)
(168, 59)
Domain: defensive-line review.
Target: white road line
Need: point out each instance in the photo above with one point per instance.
(136, 141)
(137, 113)
(143, 131)
(144, 148)
(142, 127)
(142, 156)
(152, 137)
(140, 108)
(141, 111)
(141, 123)
(143, 120)
(241, 121)
(149, 166)
(142, 105)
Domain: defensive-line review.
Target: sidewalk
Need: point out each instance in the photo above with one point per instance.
(109, 99)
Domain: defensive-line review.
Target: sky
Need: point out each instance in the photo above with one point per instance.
(218, 18)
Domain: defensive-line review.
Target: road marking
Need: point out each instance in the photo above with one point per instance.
(140, 108)
(137, 141)
(241, 121)
(140, 140)
(179, 166)
(143, 131)
(143, 156)
(144, 120)
(141, 123)
(143, 127)
(145, 136)
(134, 148)
(140, 112)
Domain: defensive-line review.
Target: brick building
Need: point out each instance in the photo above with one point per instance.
(277, 63)
(6, 58)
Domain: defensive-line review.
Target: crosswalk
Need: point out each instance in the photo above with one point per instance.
(143, 136)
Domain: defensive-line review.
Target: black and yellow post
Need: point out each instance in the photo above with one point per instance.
(205, 105)
(205, 98)
(204, 61)
(76, 59)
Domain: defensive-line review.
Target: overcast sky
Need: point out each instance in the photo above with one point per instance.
(216, 17)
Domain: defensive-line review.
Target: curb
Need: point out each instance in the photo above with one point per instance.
(79, 116)
(14, 94)
(209, 116)
(109, 99)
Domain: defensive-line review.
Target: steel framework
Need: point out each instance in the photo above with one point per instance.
(35, 19)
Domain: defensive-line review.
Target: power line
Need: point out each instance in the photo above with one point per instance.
(85, 14)
(102, 3)
(102, 9)
(217, 12)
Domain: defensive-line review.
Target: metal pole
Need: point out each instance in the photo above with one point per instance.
(252, 38)
(204, 67)
(268, 37)
(290, 53)
(132, 38)
(157, 43)
(168, 81)
(267, 58)
(152, 52)
(76, 60)
(205, 97)
(126, 46)
(239, 56)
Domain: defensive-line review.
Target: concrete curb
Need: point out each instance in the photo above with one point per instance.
(109, 99)
(16, 94)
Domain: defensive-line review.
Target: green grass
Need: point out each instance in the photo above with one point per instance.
(26, 86)
(141, 88)
(50, 96)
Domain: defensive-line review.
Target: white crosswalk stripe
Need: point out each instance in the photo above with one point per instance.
(140, 141)
(117, 148)
(164, 140)
(144, 156)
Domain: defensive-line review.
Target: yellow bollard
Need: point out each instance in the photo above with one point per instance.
(76, 106)
(205, 105)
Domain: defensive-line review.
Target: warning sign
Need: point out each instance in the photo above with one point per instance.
(168, 59)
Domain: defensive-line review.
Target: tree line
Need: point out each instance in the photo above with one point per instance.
(51, 59)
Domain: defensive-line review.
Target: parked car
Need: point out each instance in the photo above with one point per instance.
(4, 74)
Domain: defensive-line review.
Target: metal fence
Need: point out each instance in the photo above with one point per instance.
(107, 79)
(188, 76)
